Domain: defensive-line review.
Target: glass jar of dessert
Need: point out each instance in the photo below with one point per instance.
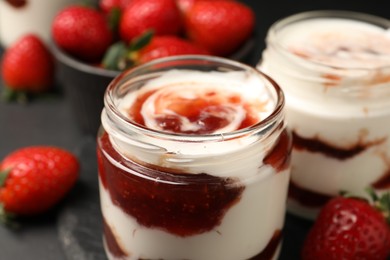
(193, 159)
(334, 68)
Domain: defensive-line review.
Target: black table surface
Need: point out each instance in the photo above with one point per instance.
(72, 230)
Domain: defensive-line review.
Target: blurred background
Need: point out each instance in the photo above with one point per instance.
(268, 12)
(56, 236)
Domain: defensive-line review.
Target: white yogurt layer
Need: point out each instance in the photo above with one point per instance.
(35, 16)
(219, 158)
(335, 74)
(245, 231)
(248, 225)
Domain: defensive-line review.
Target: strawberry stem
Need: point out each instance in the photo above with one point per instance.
(382, 203)
(384, 206)
(3, 176)
(7, 218)
(114, 17)
(141, 41)
(114, 59)
(372, 194)
(10, 95)
(121, 56)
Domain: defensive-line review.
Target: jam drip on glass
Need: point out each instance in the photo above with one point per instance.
(112, 243)
(179, 203)
(280, 155)
(270, 250)
(383, 183)
(17, 3)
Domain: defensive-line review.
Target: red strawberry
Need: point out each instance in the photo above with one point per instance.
(185, 5)
(148, 47)
(164, 46)
(108, 5)
(163, 16)
(82, 32)
(219, 26)
(350, 228)
(35, 178)
(28, 65)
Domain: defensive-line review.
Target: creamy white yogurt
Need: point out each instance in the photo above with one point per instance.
(245, 231)
(196, 157)
(248, 226)
(335, 72)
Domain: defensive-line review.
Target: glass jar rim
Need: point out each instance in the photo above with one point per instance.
(262, 125)
(342, 14)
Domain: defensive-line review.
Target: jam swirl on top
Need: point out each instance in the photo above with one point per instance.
(194, 109)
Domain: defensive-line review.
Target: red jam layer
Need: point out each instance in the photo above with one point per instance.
(316, 145)
(384, 182)
(180, 203)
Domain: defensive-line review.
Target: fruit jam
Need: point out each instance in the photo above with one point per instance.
(195, 204)
(196, 173)
(334, 69)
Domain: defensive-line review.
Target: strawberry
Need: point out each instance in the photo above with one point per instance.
(219, 26)
(164, 46)
(28, 65)
(185, 5)
(108, 5)
(33, 179)
(146, 48)
(350, 228)
(82, 32)
(163, 16)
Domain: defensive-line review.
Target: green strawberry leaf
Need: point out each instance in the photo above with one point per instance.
(115, 57)
(114, 17)
(7, 218)
(10, 95)
(3, 176)
(371, 192)
(384, 205)
(89, 3)
(141, 41)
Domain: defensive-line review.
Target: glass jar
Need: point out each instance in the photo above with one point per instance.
(192, 194)
(18, 18)
(334, 68)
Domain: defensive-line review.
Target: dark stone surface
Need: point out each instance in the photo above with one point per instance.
(72, 230)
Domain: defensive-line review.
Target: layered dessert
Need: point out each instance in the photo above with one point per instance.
(204, 171)
(335, 71)
(19, 17)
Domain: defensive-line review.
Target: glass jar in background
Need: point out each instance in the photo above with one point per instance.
(193, 160)
(334, 68)
(19, 17)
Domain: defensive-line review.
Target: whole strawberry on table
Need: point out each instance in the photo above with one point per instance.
(351, 228)
(125, 33)
(34, 179)
(27, 67)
